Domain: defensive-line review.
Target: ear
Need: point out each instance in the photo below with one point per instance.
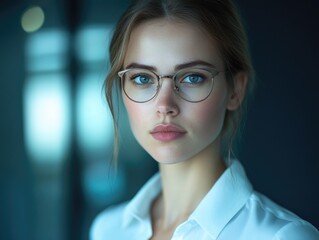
(237, 96)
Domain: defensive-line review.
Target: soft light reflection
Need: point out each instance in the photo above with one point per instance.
(102, 186)
(92, 43)
(47, 117)
(47, 51)
(32, 19)
(94, 122)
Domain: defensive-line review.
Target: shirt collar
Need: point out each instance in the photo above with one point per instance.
(228, 195)
(139, 207)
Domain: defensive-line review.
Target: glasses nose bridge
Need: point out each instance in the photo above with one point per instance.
(160, 81)
(160, 77)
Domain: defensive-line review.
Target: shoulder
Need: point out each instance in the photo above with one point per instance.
(108, 222)
(277, 222)
(296, 230)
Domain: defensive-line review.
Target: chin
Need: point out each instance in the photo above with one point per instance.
(165, 156)
(168, 161)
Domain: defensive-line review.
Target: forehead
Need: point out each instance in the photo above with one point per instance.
(165, 43)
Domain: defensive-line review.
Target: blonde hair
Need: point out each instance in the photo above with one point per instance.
(219, 18)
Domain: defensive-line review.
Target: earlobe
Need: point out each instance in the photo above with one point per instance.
(237, 96)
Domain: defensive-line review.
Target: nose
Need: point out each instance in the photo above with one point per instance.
(166, 104)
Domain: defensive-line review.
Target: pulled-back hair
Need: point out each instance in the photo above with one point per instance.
(219, 18)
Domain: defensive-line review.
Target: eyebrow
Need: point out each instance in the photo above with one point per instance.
(177, 67)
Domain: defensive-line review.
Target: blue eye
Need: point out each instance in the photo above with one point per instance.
(141, 79)
(193, 79)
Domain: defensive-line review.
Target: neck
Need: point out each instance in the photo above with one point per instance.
(184, 185)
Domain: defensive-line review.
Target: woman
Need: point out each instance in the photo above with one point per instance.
(184, 73)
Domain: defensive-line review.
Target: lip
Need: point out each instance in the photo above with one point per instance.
(167, 132)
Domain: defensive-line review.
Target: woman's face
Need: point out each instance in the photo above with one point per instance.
(169, 128)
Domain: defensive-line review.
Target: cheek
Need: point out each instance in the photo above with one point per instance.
(210, 116)
(135, 115)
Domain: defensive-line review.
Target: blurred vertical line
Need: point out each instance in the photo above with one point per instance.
(75, 202)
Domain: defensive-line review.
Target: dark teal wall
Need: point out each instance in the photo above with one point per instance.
(280, 142)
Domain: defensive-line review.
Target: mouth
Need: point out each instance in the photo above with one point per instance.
(167, 132)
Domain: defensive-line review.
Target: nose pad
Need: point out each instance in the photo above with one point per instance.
(166, 99)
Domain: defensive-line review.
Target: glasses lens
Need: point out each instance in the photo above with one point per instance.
(140, 85)
(194, 85)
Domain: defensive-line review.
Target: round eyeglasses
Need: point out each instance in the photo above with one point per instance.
(191, 84)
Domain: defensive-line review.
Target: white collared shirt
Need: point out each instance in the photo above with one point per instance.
(231, 210)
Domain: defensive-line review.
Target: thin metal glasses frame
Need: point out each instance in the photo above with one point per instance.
(214, 73)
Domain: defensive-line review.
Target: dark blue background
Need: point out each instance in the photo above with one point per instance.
(279, 145)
